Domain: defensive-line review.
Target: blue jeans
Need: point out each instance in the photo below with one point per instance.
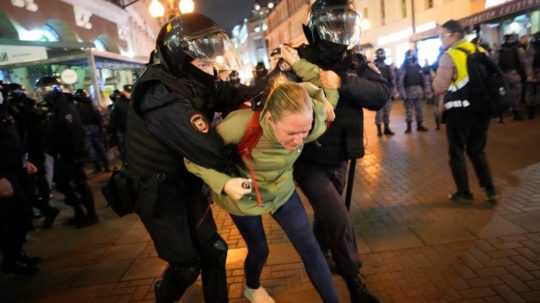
(293, 220)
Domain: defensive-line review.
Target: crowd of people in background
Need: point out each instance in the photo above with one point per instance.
(46, 144)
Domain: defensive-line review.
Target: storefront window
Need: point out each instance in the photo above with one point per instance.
(518, 25)
(100, 46)
(535, 21)
(428, 50)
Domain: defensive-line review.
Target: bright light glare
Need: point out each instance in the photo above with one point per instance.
(186, 6)
(156, 9)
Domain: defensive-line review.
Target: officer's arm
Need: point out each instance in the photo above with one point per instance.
(213, 178)
(177, 125)
(231, 130)
(230, 98)
(369, 90)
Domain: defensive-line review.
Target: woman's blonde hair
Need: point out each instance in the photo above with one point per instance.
(287, 96)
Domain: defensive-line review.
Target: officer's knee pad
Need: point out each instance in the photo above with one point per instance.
(183, 275)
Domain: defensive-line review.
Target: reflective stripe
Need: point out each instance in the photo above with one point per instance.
(457, 104)
(455, 86)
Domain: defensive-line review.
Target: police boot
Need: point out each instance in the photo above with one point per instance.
(158, 292)
(387, 130)
(531, 112)
(359, 292)
(438, 123)
(409, 128)
(517, 115)
(379, 130)
(420, 127)
(50, 216)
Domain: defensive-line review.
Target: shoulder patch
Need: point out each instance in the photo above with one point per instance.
(199, 123)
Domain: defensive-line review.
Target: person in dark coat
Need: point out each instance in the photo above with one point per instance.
(321, 170)
(66, 144)
(94, 131)
(169, 118)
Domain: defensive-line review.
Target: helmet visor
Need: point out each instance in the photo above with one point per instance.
(215, 48)
(338, 25)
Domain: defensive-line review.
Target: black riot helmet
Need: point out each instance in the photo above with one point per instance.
(334, 21)
(193, 36)
(49, 83)
(380, 54)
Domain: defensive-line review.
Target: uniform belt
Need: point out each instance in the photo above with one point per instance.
(457, 104)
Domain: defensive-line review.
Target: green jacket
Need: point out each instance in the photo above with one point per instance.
(272, 163)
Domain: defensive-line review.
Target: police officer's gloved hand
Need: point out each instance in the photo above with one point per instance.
(236, 188)
(289, 54)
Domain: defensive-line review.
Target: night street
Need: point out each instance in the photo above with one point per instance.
(416, 245)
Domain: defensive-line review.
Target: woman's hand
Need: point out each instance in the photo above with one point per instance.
(330, 114)
(329, 79)
(236, 188)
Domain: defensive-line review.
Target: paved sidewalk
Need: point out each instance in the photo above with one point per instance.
(415, 244)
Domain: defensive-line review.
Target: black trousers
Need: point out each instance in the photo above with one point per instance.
(15, 222)
(71, 180)
(467, 133)
(177, 216)
(323, 186)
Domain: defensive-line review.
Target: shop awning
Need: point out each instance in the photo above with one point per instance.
(499, 11)
(490, 14)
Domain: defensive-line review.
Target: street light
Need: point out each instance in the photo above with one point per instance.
(157, 10)
(186, 6)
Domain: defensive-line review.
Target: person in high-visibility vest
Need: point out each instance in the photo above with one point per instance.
(466, 129)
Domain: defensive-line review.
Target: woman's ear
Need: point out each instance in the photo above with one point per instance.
(268, 117)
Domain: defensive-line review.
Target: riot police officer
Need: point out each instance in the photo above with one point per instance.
(411, 88)
(65, 143)
(93, 129)
(15, 212)
(383, 115)
(333, 27)
(168, 119)
(31, 124)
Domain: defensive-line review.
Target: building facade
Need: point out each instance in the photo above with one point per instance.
(250, 41)
(392, 25)
(101, 42)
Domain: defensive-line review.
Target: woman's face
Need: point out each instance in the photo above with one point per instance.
(291, 130)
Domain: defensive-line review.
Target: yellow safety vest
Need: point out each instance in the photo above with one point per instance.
(461, 78)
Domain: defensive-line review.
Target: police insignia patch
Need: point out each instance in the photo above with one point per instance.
(199, 123)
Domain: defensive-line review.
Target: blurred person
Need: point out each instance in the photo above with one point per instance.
(260, 76)
(94, 131)
(533, 85)
(118, 120)
(466, 128)
(31, 124)
(411, 87)
(383, 115)
(66, 144)
(15, 211)
(512, 60)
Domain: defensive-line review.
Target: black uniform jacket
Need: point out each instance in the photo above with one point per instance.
(361, 87)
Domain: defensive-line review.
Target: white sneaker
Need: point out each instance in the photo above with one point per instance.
(258, 295)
